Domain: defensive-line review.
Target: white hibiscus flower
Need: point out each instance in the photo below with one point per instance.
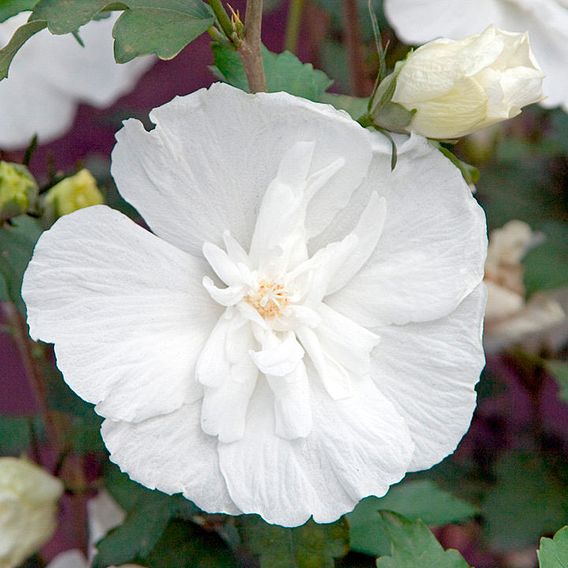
(302, 329)
(509, 317)
(419, 21)
(51, 75)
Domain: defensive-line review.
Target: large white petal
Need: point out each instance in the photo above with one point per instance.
(429, 371)
(126, 311)
(358, 446)
(205, 167)
(432, 249)
(173, 454)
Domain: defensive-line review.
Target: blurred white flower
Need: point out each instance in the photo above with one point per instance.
(28, 509)
(337, 352)
(51, 75)
(509, 318)
(546, 21)
(459, 87)
(103, 515)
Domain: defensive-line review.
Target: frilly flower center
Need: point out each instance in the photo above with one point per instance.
(269, 299)
(277, 324)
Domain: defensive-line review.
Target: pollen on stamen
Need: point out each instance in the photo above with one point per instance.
(269, 299)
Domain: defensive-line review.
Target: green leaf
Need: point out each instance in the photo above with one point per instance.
(527, 501)
(518, 185)
(130, 494)
(84, 437)
(9, 8)
(137, 536)
(308, 546)
(355, 106)
(415, 500)
(413, 545)
(284, 72)
(559, 370)
(546, 266)
(122, 489)
(148, 514)
(16, 433)
(160, 27)
(67, 16)
(335, 62)
(184, 545)
(22, 34)
(553, 552)
(16, 247)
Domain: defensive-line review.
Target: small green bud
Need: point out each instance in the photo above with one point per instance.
(18, 191)
(73, 193)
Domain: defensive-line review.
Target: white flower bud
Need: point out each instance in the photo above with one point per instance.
(28, 509)
(458, 87)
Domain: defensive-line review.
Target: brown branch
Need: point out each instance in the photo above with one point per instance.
(250, 50)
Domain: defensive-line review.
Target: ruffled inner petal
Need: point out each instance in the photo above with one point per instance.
(279, 356)
(224, 408)
(292, 403)
(332, 373)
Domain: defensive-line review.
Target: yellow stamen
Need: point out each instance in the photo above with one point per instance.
(269, 299)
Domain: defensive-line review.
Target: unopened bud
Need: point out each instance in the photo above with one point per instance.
(18, 190)
(28, 502)
(73, 193)
(454, 88)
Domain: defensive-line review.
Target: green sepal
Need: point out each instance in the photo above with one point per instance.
(394, 117)
(470, 173)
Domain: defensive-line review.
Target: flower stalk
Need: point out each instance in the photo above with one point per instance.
(293, 26)
(250, 49)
